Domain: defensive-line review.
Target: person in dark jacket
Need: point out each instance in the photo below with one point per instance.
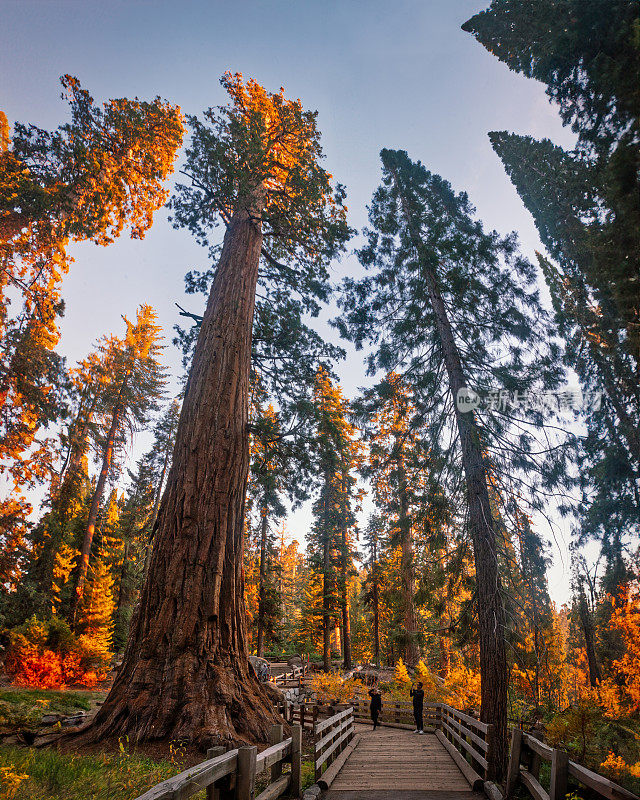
(376, 705)
(417, 695)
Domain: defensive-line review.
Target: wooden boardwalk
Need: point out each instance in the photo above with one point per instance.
(390, 763)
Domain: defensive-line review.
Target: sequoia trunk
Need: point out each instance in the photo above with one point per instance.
(185, 672)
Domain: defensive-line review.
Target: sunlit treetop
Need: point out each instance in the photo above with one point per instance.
(92, 176)
(262, 150)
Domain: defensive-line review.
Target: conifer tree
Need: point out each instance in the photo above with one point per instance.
(254, 164)
(447, 301)
(280, 469)
(394, 467)
(136, 383)
(338, 453)
(85, 181)
(584, 204)
(372, 537)
(133, 533)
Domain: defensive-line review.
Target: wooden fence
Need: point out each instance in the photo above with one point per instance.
(527, 754)
(290, 676)
(233, 774)
(307, 714)
(330, 737)
(397, 713)
(467, 740)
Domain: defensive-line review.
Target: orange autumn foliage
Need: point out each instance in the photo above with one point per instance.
(45, 655)
(626, 619)
(85, 181)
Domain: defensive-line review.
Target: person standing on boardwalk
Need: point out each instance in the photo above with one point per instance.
(417, 695)
(376, 705)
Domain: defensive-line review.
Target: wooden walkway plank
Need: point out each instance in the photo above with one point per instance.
(397, 764)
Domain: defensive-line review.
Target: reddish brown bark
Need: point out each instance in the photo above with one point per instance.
(185, 672)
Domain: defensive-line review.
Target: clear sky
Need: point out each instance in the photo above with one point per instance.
(398, 75)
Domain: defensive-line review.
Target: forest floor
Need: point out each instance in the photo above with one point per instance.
(22, 707)
(110, 770)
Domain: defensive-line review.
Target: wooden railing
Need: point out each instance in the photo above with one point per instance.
(396, 713)
(525, 759)
(307, 714)
(233, 774)
(468, 741)
(290, 675)
(330, 737)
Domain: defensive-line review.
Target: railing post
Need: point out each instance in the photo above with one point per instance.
(246, 775)
(534, 760)
(559, 775)
(489, 738)
(296, 761)
(213, 792)
(513, 770)
(275, 737)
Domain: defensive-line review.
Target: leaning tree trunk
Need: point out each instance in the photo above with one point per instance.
(491, 614)
(411, 649)
(185, 672)
(90, 530)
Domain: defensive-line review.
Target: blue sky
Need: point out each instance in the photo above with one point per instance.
(399, 75)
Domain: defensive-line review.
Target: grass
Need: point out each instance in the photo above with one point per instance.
(30, 774)
(49, 775)
(26, 707)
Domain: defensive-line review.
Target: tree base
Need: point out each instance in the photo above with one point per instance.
(230, 707)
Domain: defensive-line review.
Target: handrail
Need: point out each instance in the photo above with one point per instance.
(330, 737)
(524, 766)
(296, 672)
(245, 763)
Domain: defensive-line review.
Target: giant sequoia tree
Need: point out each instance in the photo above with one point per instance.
(255, 164)
(452, 307)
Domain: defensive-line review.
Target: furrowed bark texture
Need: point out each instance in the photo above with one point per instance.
(185, 673)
